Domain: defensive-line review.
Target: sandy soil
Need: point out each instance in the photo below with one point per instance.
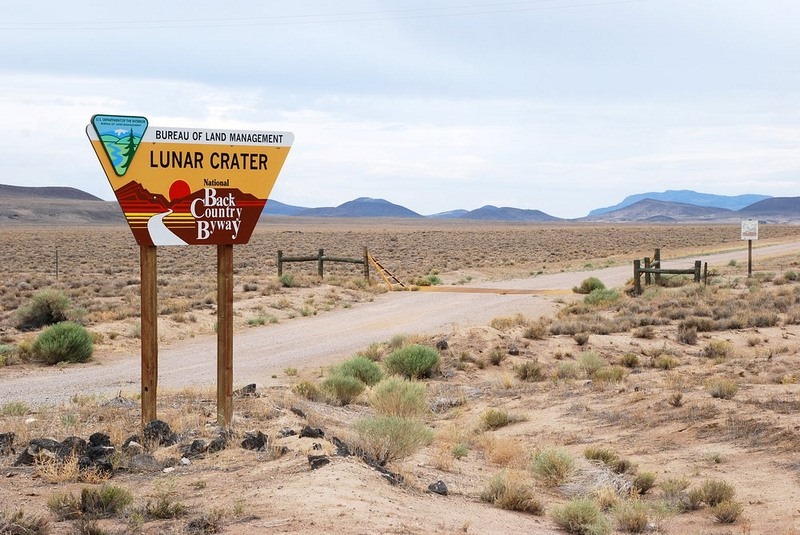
(283, 495)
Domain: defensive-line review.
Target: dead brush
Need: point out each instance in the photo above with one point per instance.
(511, 490)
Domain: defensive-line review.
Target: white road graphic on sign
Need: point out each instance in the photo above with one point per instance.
(159, 232)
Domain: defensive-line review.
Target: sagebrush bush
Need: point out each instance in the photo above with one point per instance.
(589, 285)
(509, 490)
(599, 453)
(105, 502)
(46, 308)
(530, 371)
(342, 389)
(722, 388)
(604, 297)
(553, 466)
(590, 362)
(23, 523)
(644, 481)
(389, 438)
(413, 361)
(580, 517)
(64, 342)
(715, 491)
(307, 390)
(497, 418)
(718, 350)
(395, 396)
(362, 368)
(727, 512)
(631, 516)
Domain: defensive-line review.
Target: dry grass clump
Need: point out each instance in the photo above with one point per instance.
(511, 490)
(389, 438)
(722, 388)
(396, 396)
(718, 350)
(631, 516)
(553, 466)
(531, 371)
(727, 512)
(22, 523)
(497, 418)
(580, 517)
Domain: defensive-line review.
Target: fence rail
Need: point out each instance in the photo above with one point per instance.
(654, 268)
(320, 259)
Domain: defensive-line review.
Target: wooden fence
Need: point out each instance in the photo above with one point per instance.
(320, 259)
(654, 268)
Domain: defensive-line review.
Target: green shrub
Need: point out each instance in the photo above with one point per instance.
(510, 491)
(389, 438)
(604, 455)
(362, 368)
(497, 418)
(602, 297)
(530, 371)
(64, 505)
(727, 512)
(687, 334)
(46, 308)
(307, 390)
(590, 362)
(629, 360)
(589, 285)
(716, 491)
(612, 374)
(104, 502)
(580, 517)
(631, 516)
(644, 481)
(342, 389)
(722, 388)
(399, 397)
(553, 466)
(64, 342)
(287, 280)
(718, 350)
(413, 361)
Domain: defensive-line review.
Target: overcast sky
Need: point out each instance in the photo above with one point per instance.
(558, 105)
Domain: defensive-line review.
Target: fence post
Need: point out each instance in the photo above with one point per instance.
(657, 264)
(705, 274)
(319, 262)
(637, 284)
(280, 262)
(697, 264)
(647, 278)
(366, 264)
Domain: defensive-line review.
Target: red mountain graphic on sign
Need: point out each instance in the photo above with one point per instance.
(133, 198)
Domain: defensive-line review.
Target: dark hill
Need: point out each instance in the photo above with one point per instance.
(687, 197)
(654, 211)
(361, 207)
(46, 192)
(774, 208)
(493, 213)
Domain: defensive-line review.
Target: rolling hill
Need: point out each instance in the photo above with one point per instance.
(684, 196)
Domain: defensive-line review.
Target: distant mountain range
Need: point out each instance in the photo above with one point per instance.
(65, 204)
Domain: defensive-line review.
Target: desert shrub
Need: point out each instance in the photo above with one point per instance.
(510, 491)
(631, 516)
(580, 517)
(622, 466)
(589, 285)
(727, 512)
(374, 351)
(581, 338)
(790, 275)
(287, 280)
(536, 330)
(644, 481)
(612, 374)
(362, 368)
(553, 466)
(567, 370)
(675, 399)
(307, 390)
(64, 342)
(46, 308)
(342, 389)
(389, 438)
(64, 505)
(20, 523)
(629, 360)
(687, 334)
(497, 355)
(665, 362)
(164, 504)
(590, 362)
(497, 418)
(530, 371)
(413, 361)
(598, 453)
(395, 396)
(718, 350)
(602, 297)
(715, 491)
(722, 388)
(105, 501)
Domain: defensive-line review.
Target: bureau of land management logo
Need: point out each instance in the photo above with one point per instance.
(187, 186)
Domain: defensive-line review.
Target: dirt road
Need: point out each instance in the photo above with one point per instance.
(321, 340)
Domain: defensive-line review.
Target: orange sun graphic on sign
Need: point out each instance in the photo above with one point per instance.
(178, 190)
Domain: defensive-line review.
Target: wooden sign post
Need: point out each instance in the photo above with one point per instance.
(188, 186)
(749, 233)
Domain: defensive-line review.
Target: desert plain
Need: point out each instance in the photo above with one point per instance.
(684, 385)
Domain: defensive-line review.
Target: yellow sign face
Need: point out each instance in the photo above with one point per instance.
(188, 186)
